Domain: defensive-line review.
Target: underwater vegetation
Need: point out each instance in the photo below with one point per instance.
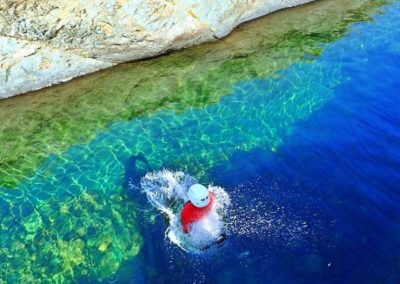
(54, 237)
(51, 120)
(64, 212)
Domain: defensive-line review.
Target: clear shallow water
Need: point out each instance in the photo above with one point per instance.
(52, 120)
(314, 150)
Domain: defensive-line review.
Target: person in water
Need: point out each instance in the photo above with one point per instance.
(199, 205)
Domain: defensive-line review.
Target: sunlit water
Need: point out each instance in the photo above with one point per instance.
(310, 159)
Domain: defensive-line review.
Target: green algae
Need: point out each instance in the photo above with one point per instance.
(62, 240)
(49, 121)
(71, 220)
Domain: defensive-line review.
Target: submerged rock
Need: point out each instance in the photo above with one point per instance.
(50, 121)
(43, 42)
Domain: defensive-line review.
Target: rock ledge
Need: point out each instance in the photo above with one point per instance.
(47, 42)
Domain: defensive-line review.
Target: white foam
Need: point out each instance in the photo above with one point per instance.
(164, 188)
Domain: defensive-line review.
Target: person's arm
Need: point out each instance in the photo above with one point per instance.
(186, 228)
(185, 220)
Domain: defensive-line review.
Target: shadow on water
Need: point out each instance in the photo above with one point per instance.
(153, 264)
(136, 167)
(73, 219)
(146, 267)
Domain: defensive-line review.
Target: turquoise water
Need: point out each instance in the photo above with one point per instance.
(320, 205)
(314, 150)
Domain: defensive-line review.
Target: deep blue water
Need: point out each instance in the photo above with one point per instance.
(310, 158)
(331, 191)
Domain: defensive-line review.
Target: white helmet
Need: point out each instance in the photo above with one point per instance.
(198, 194)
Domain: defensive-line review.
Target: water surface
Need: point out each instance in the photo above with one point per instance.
(302, 129)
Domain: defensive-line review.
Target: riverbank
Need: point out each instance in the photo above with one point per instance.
(51, 120)
(45, 43)
(222, 111)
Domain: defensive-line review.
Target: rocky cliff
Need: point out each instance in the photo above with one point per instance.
(45, 42)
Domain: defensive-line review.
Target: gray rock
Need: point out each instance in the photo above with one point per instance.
(46, 42)
(26, 66)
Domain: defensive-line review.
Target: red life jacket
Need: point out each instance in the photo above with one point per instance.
(191, 213)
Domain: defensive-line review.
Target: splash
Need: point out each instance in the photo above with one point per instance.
(75, 196)
(167, 191)
(261, 211)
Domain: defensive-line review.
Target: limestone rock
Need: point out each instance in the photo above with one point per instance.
(44, 42)
(26, 66)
